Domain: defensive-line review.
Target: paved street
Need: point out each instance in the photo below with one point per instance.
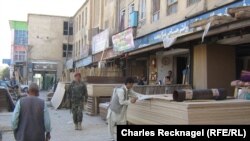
(95, 129)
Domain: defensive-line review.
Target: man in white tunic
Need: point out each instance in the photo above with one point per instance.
(117, 112)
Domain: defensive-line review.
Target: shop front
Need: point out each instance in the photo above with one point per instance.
(206, 56)
(44, 74)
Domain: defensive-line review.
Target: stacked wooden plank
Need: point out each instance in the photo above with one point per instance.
(165, 111)
(6, 102)
(240, 12)
(162, 89)
(92, 106)
(103, 107)
(214, 20)
(101, 89)
(98, 93)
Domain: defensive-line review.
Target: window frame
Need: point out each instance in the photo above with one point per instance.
(129, 10)
(122, 26)
(142, 9)
(155, 12)
(192, 2)
(170, 6)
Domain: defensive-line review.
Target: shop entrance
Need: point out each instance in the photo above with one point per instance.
(44, 80)
(242, 59)
(181, 69)
(138, 68)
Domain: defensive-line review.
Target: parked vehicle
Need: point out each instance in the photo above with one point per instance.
(4, 84)
(24, 88)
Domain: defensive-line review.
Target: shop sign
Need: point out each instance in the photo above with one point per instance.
(84, 51)
(123, 41)
(84, 62)
(100, 41)
(45, 66)
(182, 28)
(69, 64)
(19, 48)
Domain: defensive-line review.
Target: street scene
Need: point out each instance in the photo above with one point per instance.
(75, 70)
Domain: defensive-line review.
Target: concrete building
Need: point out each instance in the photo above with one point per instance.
(187, 37)
(94, 24)
(50, 45)
(19, 44)
(82, 37)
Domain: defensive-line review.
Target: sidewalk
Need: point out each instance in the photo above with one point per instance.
(94, 128)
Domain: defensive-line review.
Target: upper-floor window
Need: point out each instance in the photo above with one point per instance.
(172, 6)
(79, 22)
(191, 2)
(67, 50)
(142, 9)
(156, 10)
(86, 14)
(83, 19)
(131, 9)
(122, 19)
(67, 28)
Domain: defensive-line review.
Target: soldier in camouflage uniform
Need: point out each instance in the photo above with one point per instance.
(77, 96)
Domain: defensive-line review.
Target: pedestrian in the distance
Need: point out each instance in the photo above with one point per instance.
(30, 119)
(77, 96)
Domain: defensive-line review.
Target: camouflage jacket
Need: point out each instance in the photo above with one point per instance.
(77, 92)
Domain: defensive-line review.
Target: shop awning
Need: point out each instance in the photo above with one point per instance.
(239, 24)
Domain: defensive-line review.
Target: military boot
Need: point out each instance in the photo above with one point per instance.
(79, 126)
(76, 126)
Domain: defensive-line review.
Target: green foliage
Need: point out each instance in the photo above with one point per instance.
(4, 73)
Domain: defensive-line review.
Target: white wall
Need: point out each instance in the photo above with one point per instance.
(163, 69)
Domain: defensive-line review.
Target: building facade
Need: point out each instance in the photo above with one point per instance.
(19, 44)
(50, 46)
(195, 39)
(188, 37)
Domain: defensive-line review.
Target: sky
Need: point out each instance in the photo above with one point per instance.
(19, 9)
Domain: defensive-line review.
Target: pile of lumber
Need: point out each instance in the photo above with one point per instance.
(103, 108)
(101, 89)
(92, 104)
(215, 20)
(240, 12)
(156, 89)
(6, 102)
(162, 110)
(85, 72)
(105, 80)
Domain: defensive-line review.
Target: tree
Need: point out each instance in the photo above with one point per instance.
(5, 73)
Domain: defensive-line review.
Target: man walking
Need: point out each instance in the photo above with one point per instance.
(77, 95)
(30, 119)
(117, 113)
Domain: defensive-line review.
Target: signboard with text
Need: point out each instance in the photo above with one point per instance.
(100, 42)
(123, 41)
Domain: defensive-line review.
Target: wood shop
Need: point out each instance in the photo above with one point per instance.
(204, 54)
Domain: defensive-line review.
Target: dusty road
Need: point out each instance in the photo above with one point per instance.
(95, 129)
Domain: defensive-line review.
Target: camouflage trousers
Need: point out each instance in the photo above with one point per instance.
(77, 112)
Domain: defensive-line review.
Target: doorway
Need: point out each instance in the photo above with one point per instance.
(181, 69)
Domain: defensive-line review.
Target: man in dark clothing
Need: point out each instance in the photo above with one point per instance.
(77, 95)
(30, 119)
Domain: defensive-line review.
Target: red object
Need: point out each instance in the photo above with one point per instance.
(77, 74)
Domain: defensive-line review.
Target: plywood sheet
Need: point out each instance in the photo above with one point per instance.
(58, 95)
(160, 111)
(101, 89)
